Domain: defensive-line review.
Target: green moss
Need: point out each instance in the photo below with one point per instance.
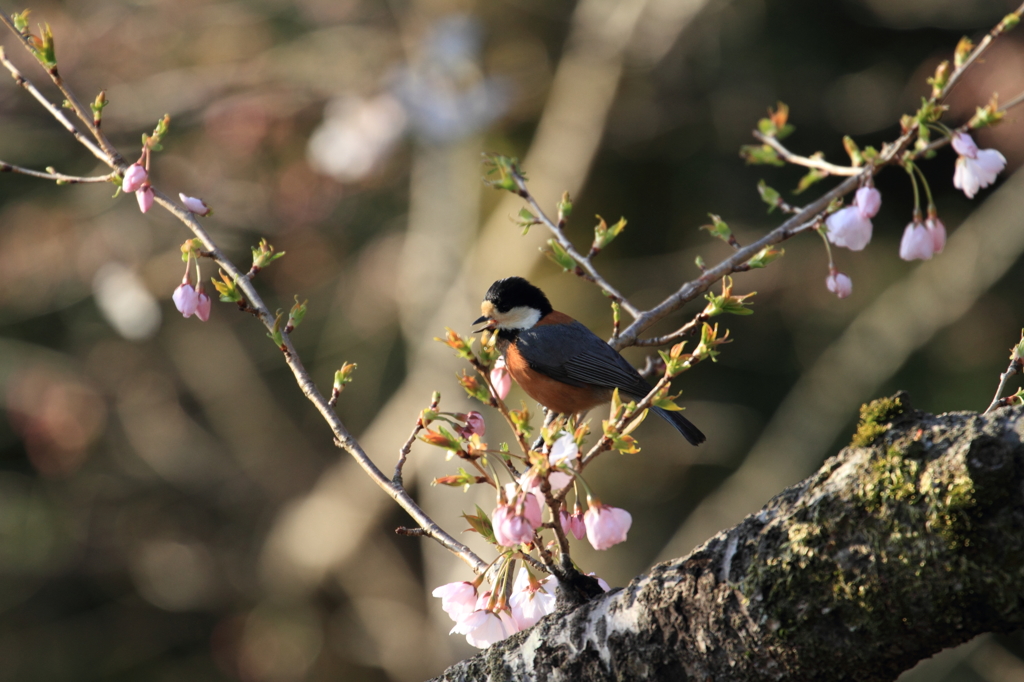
(875, 418)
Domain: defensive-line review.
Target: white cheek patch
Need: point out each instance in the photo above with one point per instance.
(520, 317)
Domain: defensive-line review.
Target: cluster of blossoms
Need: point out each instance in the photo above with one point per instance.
(850, 227)
(484, 618)
(516, 523)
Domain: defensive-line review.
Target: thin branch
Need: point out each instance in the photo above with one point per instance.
(343, 438)
(975, 53)
(52, 108)
(60, 178)
(687, 329)
(84, 113)
(403, 453)
(806, 161)
(584, 268)
(1014, 368)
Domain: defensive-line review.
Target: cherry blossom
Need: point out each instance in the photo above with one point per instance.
(474, 424)
(457, 598)
(500, 378)
(134, 177)
(195, 205)
(145, 198)
(531, 599)
(606, 525)
(917, 242)
(975, 168)
(851, 226)
(938, 232)
(573, 523)
(203, 306)
(839, 284)
(186, 299)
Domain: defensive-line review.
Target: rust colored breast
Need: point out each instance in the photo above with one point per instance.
(551, 393)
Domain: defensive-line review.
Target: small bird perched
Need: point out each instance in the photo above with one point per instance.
(559, 362)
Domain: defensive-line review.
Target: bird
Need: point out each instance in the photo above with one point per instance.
(557, 360)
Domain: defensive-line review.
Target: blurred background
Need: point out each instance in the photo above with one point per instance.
(171, 507)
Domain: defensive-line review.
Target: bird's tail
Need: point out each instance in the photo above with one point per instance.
(683, 426)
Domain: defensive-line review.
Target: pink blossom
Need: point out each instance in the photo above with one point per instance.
(195, 205)
(456, 598)
(526, 504)
(839, 284)
(145, 197)
(133, 178)
(851, 226)
(474, 424)
(500, 378)
(510, 528)
(917, 242)
(975, 168)
(606, 526)
(531, 600)
(186, 299)
(938, 232)
(203, 306)
(563, 452)
(573, 523)
(868, 200)
(483, 628)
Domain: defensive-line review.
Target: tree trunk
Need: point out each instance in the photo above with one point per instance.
(908, 541)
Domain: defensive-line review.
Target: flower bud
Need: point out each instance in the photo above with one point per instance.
(195, 205)
(917, 242)
(186, 299)
(133, 178)
(839, 284)
(203, 307)
(145, 197)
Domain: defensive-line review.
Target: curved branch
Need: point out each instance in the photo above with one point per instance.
(899, 546)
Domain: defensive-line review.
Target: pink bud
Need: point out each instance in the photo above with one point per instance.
(917, 242)
(606, 526)
(573, 523)
(186, 299)
(203, 307)
(500, 378)
(474, 424)
(133, 178)
(510, 528)
(839, 284)
(938, 232)
(194, 205)
(868, 200)
(145, 197)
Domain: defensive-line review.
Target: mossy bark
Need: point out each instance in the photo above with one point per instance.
(908, 541)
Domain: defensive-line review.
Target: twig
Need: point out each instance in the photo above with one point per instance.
(52, 175)
(585, 268)
(672, 337)
(403, 454)
(818, 164)
(975, 53)
(1012, 369)
(84, 114)
(54, 111)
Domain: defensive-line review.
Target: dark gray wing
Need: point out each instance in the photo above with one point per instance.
(575, 355)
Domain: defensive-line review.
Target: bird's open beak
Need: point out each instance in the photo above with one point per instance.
(491, 324)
